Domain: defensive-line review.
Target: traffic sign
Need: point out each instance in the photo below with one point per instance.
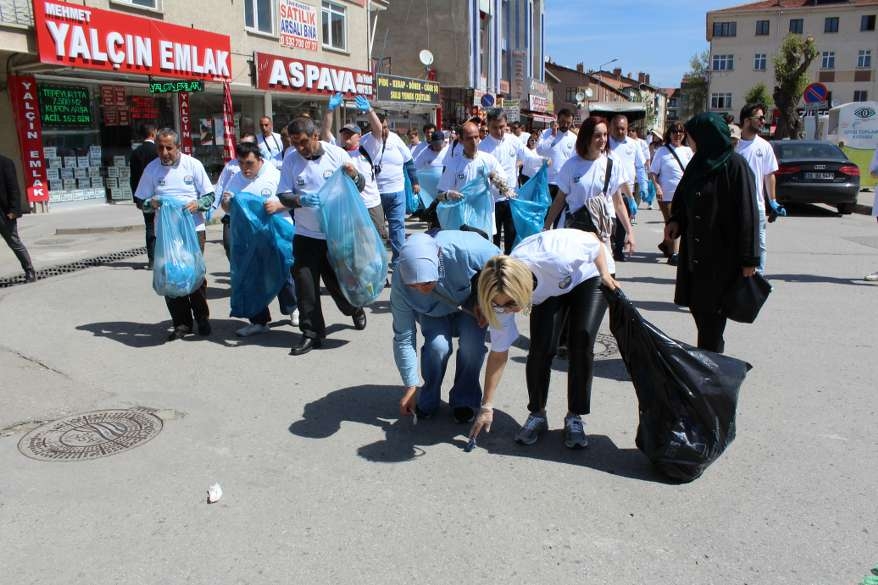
(816, 92)
(487, 100)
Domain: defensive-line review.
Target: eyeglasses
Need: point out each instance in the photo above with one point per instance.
(504, 308)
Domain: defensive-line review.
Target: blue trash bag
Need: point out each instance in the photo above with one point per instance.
(260, 255)
(412, 201)
(429, 180)
(530, 207)
(474, 210)
(178, 268)
(356, 252)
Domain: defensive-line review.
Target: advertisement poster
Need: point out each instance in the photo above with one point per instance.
(297, 25)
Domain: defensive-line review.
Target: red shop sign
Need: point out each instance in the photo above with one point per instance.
(185, 123)
(277, 73)
(26, 108)
(90, 38)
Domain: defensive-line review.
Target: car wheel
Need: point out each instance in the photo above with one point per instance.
(845, 208)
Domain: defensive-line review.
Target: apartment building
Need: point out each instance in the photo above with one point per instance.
(744, 39)
(577, 82)
(83, 77)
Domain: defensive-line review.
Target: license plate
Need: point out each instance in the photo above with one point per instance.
(820, 176)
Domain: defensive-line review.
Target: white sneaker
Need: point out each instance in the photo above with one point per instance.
(252, 329)
(871, 277)
(294, 318)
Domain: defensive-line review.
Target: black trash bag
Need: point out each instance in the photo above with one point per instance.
(687, 396)
(743, 301)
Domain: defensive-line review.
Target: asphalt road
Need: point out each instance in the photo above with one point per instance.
(323, 484)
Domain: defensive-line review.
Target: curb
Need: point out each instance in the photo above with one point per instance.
(97, 230)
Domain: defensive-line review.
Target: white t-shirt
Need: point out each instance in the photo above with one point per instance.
(460, 170)
(667, 170)
(509, 152)
(627, 153)
(430, 158)
(231, 169)
(644, 148)
(561, 260)
(264, 184)
(581, 179)
(185, 180)
(558, 149)
(371, 196)
(300, 176)
(419, 148)
(760, 156)
(271, 146)
(532, 165)
(390, 157)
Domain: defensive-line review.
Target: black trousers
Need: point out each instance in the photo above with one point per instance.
(553, 192)
(585, 307)
(149, 229)
(183, 309)
(711, 327)
(9, 229)
(310, 265)
(503, 222)
(227, 234)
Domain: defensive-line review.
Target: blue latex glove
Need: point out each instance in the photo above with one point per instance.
(776, 207)
(335, 101)
(362, 103)
(309, 200)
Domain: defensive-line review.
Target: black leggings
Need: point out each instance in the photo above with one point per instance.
(585, 307)
(711, 327)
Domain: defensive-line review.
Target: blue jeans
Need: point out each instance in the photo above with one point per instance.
(394, 211)
(762, 223)
(286, 298)
(438, 333)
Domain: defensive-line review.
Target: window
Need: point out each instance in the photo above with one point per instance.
(830, 24)
(867, 22)
(334, 26)
(797, 25)
(151, 4)
(762, 28)
(570, 95)
(258, 16)
(828, 60)
(759, 62)
(861, 95)
(725, 29)
(864, 59)
(720, 101)
(723, 62)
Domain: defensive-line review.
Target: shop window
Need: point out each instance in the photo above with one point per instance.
(259, 16)
(861, 95)
(797, 25)
(759, 61)
(867, 22)
(830, 24)
(334, 26)
(762, 28)
(149, 4)
(864, 59)
(828, 60)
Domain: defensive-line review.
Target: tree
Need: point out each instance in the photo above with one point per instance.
(791, 75)
(758, 94)
(693, 88)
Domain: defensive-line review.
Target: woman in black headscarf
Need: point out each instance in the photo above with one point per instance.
(714, 211)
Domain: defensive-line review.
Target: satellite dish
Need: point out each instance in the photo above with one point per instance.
(588, 92)
(426, 57)
(580, 96)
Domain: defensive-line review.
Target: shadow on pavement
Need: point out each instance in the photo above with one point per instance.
(818, 279)
(378, 406)
(609, 369)
(648, 280)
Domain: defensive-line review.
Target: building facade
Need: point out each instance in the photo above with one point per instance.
(478, 48)
(122, 63)
(576, 89)
(743, 40)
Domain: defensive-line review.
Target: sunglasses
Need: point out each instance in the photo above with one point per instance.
(678, 131)
(504, 308)
(760, 118)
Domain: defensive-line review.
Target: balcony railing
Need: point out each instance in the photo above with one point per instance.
(16, 12)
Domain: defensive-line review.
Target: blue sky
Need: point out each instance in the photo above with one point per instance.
(654, 36)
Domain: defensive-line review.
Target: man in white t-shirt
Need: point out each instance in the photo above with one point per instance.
(178, 175)
(627, 153)
(306, 168)
(760, 156)
(434, 154)
(429, 128)
(391, 158)
(230, 169)
(557, 143)
(519, 132)
(269, 141)
(509, 152)
(873, 170)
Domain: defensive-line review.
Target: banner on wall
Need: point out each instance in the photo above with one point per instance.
(185, 122)
(90, 38)
(297, 25)
(26, 109)
(277, 73)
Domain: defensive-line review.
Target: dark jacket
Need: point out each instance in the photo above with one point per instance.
(142, 156)
(10, 194)
(719, 229)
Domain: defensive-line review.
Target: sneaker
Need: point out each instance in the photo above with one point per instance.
(673, 260)
(535, 425)
(464, 414)
(574, 432)
(871, 277)
(359, 318)
(252, 329)
(294, 318)
(179, 332)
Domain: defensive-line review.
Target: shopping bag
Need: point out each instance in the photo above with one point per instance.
(412, 201)
(530, 207)
(178, 268)
(260, 254)
(473, 210)
(429, 180)
(687, 396)
(355, 249)
(743, 301)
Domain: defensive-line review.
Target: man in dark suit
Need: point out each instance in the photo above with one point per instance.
(142, 156)
(10, 211)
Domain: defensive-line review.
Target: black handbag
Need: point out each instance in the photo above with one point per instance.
(743, 301)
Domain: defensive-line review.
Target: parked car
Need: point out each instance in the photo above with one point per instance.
(815, 171)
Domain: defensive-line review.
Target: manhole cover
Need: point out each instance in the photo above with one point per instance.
(91, 435)
(605, 346)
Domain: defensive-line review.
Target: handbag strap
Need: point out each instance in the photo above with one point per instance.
(671, 149)
(607, 174)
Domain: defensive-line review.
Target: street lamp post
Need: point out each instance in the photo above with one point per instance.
(601, 67)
